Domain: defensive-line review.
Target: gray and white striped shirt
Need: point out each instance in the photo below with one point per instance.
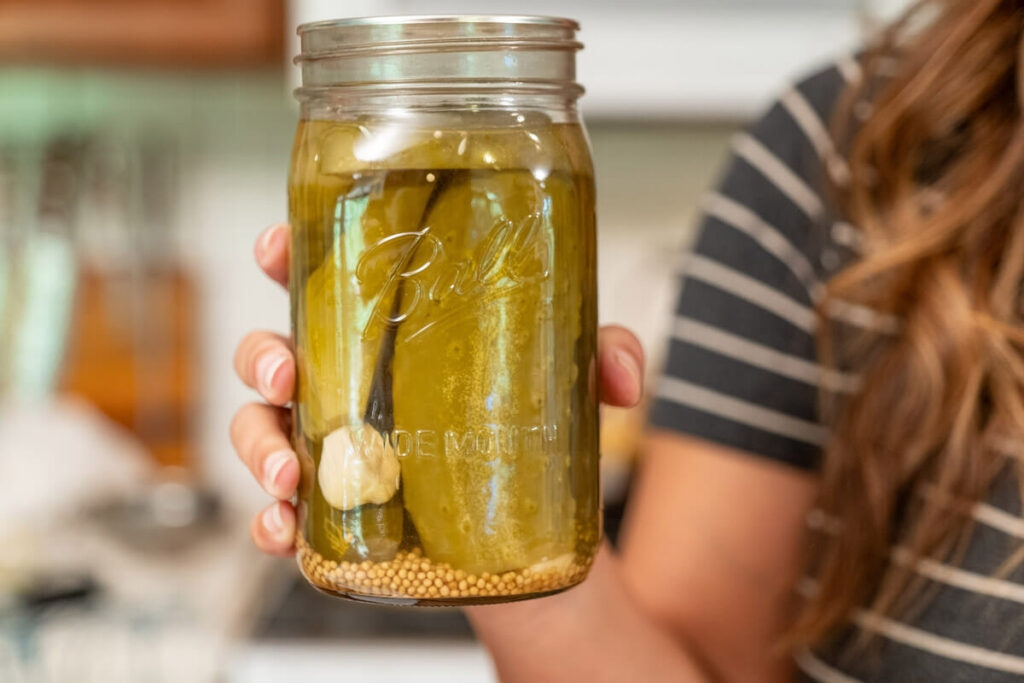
(742, 371)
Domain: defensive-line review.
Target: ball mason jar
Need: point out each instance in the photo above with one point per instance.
(443, 298)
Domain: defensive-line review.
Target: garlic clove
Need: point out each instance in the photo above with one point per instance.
(556, 564)
(357, 466)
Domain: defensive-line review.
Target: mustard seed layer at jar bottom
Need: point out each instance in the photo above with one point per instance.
(411, 576)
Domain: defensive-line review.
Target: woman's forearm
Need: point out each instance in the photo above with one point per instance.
(593, 632)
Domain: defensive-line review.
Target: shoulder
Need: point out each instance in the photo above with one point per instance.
(800, 117)
(793, 136)
(777, 187)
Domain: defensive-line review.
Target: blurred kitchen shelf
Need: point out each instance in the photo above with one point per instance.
(203, 33)
(656, 59)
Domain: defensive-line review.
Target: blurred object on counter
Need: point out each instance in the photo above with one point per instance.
(621, 431)
(160, 32)
(130, 353)
(77, 603)
(621, 434)
(166, 516)
(131, 347)
(37, 266)
(105, 643)
(78, 458)
(53, 588)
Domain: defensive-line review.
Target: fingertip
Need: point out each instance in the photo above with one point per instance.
(621, 378)
(284, 383)
(627, 362)
(281, 474)
(271, 251)
(269, 242)
(616, 337)
(273, 530)
(620, 366)
(275, 376)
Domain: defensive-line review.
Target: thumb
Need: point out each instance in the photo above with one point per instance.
(620, 366)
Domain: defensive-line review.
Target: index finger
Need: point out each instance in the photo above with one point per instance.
(272, 251)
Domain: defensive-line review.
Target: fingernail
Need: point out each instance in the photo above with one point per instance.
(629, 363)
(264, 241)
(272, 467)
(266, 369)
(273, 522)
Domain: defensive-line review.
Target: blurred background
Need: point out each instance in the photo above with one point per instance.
(143, 146)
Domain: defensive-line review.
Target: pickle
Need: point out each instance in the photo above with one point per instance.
(485, 469)
(335, 361)
(368, 532)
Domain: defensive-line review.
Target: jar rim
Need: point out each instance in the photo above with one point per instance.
(398, 20)
(424, 51)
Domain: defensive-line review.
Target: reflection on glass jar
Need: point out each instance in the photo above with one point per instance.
(444, 312)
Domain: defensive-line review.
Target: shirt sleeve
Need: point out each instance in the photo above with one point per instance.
(741, 368)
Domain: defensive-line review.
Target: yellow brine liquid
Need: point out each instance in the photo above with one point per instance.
(444, 312)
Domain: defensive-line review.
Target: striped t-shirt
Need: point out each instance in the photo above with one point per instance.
(741, 371)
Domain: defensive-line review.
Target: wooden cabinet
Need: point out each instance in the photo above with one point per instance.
(144, 32)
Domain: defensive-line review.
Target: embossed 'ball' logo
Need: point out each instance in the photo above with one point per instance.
(422, 275)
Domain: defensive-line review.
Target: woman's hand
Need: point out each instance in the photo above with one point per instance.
(265, 362)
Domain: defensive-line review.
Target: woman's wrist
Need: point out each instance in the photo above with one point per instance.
(524, 637)
(503, 622)
(593, 631)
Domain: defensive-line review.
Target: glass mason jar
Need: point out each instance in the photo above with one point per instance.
(443, 298)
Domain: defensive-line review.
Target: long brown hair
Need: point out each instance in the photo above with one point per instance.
(936, 185)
